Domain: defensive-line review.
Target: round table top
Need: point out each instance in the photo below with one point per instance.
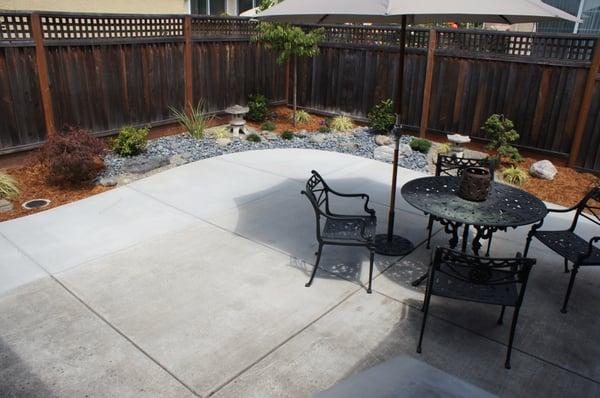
(505, 206)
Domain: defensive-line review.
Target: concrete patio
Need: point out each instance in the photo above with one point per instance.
(191, 283)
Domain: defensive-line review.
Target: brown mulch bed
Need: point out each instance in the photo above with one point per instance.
(567, 188)
(282, 118)
(32, 185)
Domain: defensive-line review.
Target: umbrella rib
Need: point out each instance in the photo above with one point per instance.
(505, 19)
(323, 19)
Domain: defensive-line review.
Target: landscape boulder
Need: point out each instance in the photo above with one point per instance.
(543, 169)
(141, 164)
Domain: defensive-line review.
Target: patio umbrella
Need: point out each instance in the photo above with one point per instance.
(404, 12)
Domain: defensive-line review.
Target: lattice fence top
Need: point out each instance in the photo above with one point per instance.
(15, 27)
(372, 36)
(572, 48)
(62, 27)
(229, 28)
(85, 27)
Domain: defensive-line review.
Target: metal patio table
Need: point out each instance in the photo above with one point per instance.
(506, 207)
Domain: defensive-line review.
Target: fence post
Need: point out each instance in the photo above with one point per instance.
(428, 82)
(42, 71)
(586, 103)
(187, 64)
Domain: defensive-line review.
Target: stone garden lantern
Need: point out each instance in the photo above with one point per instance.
(458, 141)
(237, 122)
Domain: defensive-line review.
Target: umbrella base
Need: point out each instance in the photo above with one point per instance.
(397, 246)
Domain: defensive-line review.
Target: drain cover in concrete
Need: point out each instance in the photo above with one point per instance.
(36, 203)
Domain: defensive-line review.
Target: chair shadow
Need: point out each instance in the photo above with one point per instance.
(282, 218)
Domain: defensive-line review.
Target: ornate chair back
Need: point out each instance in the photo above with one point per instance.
(454, 166)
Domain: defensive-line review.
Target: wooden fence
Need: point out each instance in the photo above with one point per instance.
(105, 71)
(102, 72)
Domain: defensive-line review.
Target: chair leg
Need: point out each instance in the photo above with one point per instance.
(371, 258)
(570, 288)
(527, 244)
(430, 228)
(425, 312)
(566, 266)
(314, 272)
(513, 328)
(501, 318)
(487, 253)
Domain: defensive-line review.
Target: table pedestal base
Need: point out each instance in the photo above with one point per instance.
(396, 247)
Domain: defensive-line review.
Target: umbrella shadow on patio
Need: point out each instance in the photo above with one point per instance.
(283, 219)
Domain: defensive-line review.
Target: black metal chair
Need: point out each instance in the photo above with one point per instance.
(340, 229)
(454, 166)
(497, 281)
(567, 243)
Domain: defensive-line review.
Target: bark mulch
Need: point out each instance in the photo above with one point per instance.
(32, 184)
(567, 188)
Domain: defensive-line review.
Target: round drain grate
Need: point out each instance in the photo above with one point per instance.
(36, 203)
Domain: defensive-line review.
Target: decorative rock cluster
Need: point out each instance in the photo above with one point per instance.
(181, 149)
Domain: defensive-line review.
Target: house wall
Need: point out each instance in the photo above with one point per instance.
(97, 6)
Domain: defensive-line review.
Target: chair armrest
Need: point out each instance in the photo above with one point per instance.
(356, 195)
(563, 210)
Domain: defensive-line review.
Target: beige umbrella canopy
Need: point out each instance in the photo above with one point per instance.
(409, 12)
(417, 11)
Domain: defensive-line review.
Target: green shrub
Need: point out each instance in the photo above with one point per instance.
(302, 117)
(324, 129)
(221, 132)
(341, 123)
(8, 186)
(420, 145)
(196, 122)
(131, 141)
(254, 138)
(258, 108)
(515, 175)
(382, 117)
(287, 135)
(268, 126)
(510, 152)
(72, 157)
(501, 133)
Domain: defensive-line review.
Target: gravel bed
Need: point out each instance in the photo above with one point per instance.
(359, 142)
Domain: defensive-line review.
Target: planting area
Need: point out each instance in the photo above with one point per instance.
(141, 157)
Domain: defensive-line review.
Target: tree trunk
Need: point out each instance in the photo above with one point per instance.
(295, 88)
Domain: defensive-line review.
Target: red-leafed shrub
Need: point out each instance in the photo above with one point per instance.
(72, 157)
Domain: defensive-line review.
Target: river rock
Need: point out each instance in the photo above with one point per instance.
(107, 181)
(384, 153)
(383, 140)
(404, 150)
(5, 206)
(317, 138)
(223, 141)
(543, 169)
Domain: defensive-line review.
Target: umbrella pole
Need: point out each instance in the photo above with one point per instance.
(389, 244)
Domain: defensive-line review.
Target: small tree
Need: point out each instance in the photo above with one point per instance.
(501, 133)
(290, 42)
